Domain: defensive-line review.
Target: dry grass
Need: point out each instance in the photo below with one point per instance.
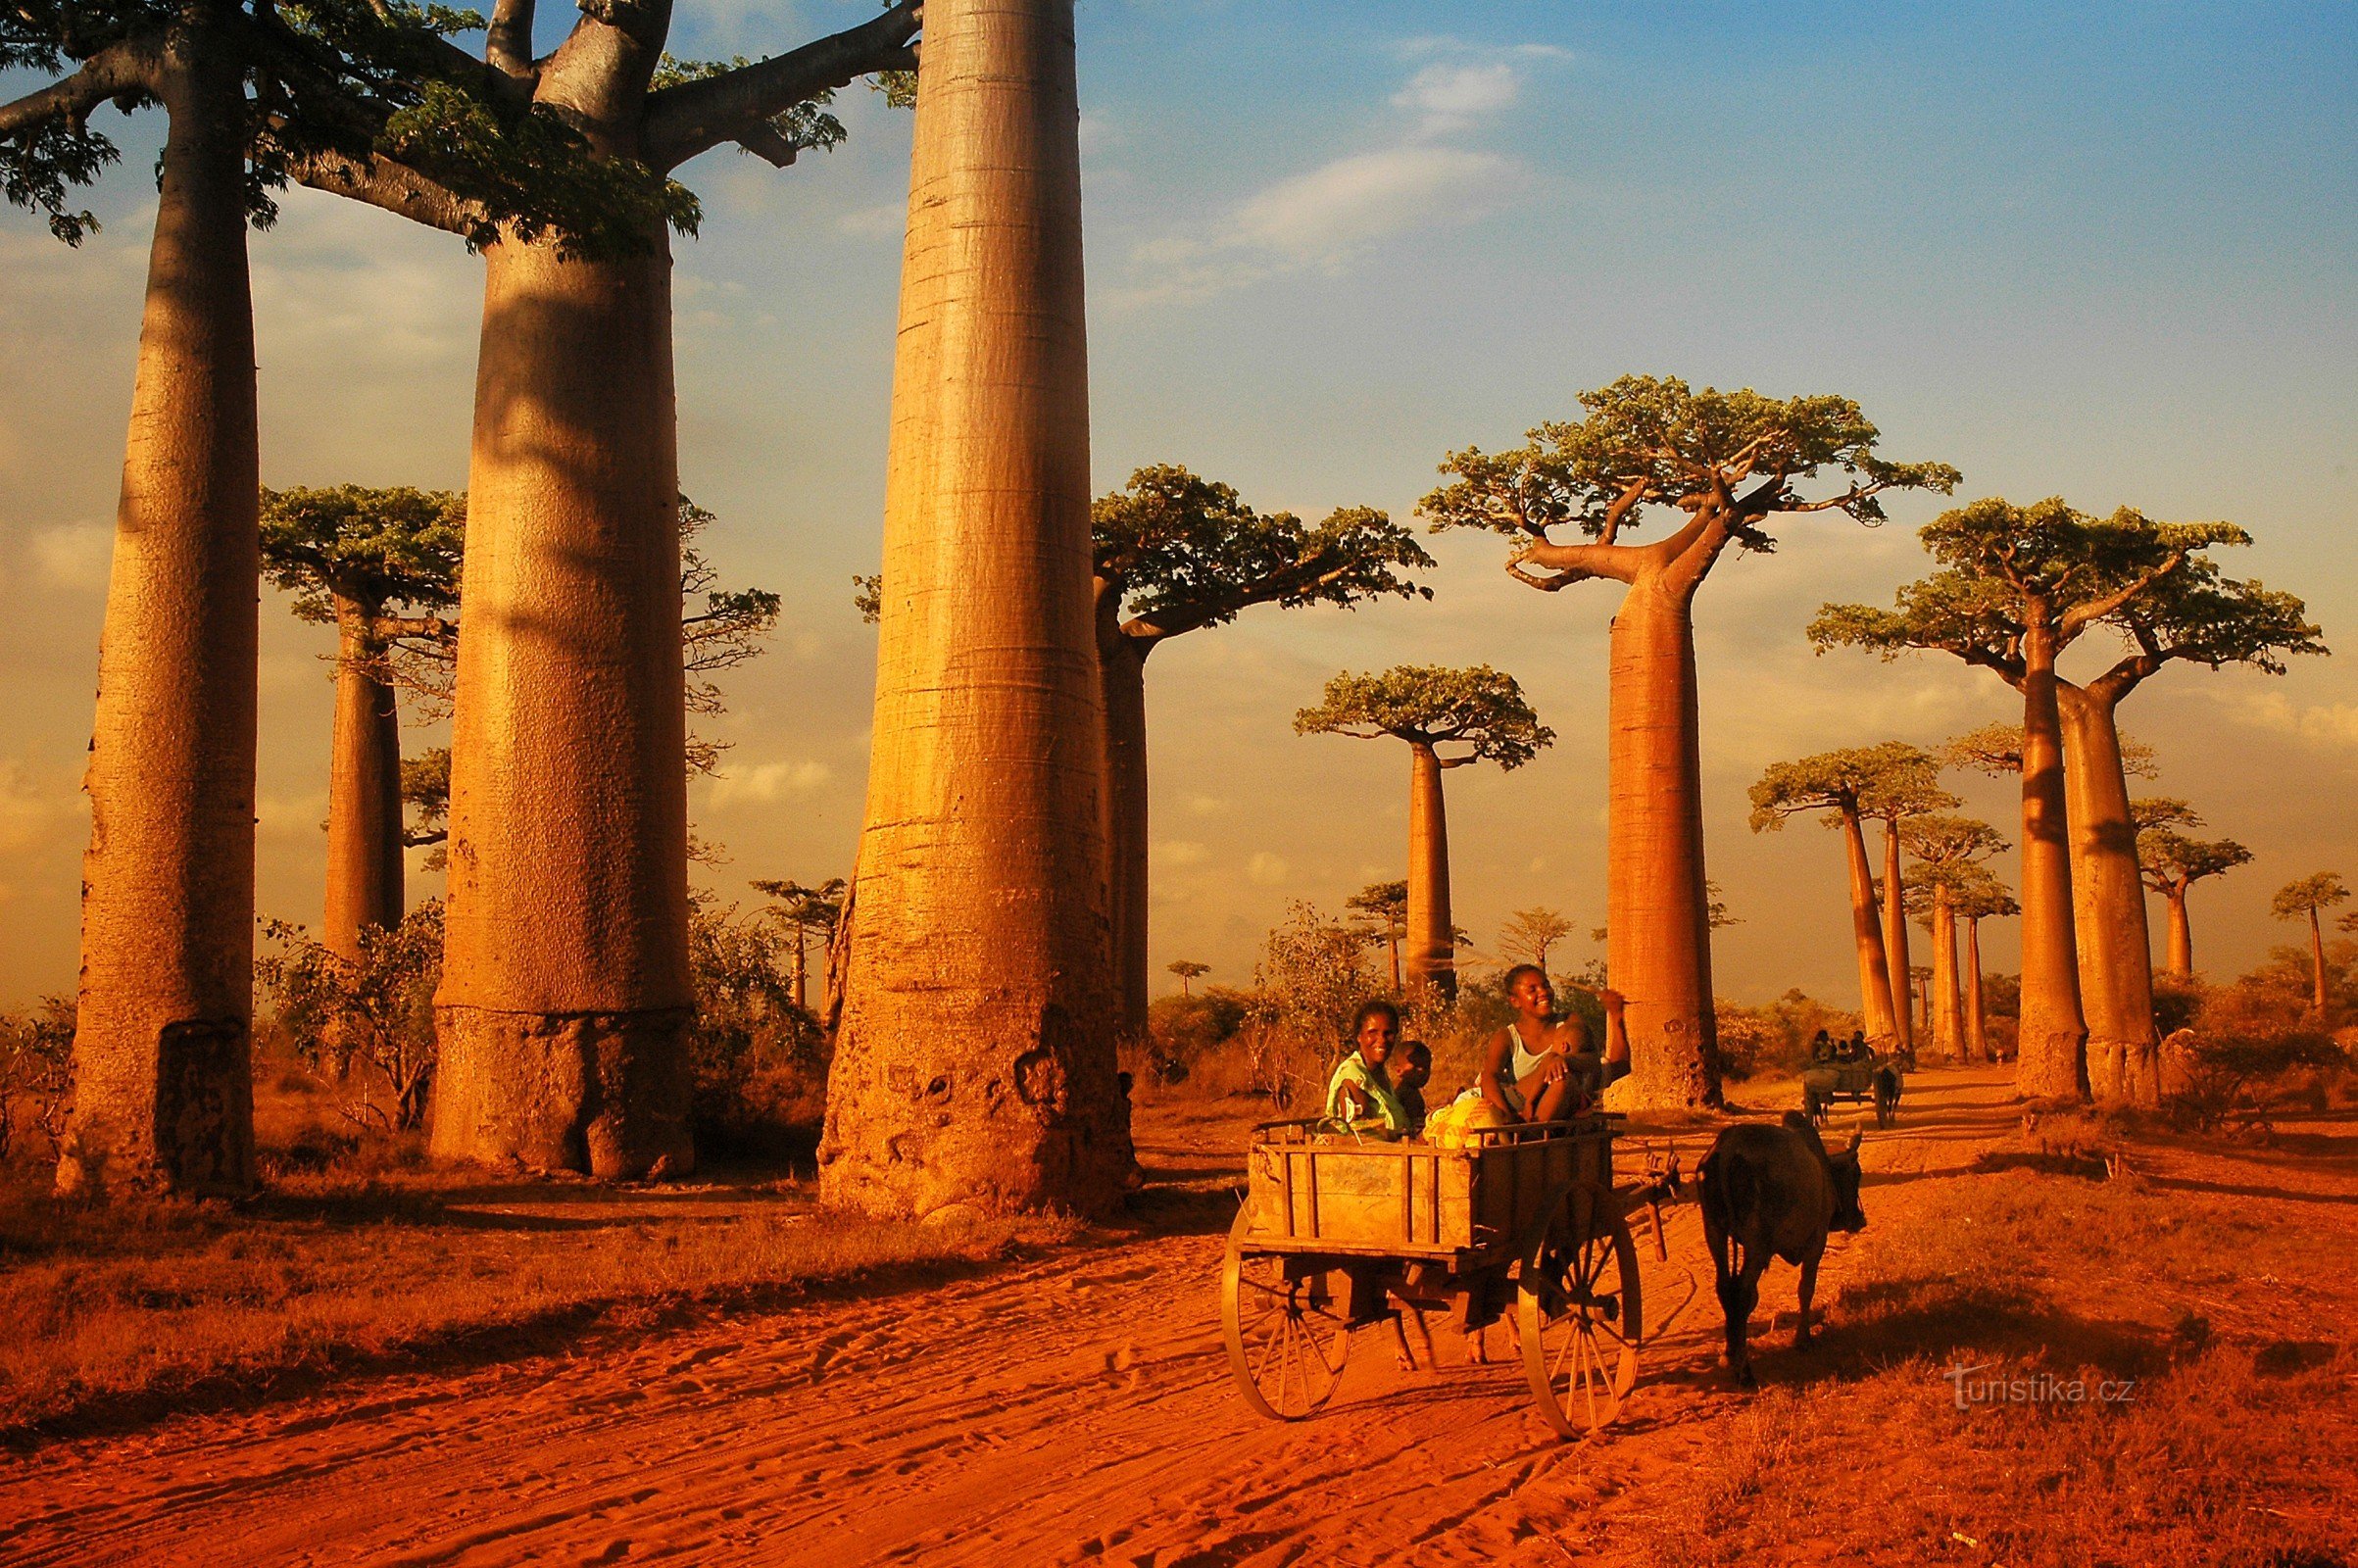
(359, 1258)
(2239, 1444)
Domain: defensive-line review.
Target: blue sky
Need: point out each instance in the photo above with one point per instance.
(2109, 251)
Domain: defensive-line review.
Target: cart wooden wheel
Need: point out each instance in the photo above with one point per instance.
(1286, 1340)
(1581, 1315)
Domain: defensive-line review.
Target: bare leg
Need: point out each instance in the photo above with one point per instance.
(1809, 1286)
(1549, 1104)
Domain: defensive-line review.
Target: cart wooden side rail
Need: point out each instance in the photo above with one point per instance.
(1338, 1233)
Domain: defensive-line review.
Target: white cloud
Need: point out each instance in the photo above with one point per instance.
(771, 781)
(1268, 870)
(884, 221)
(75, 555)
(2333, 724)
(1205, 806)
(1451, 96)
(1170, 854)
(1334, 208)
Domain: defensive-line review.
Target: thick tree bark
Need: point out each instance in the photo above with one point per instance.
(1896, 939)
(1658, 941)
(974, 1069)
(1123, 676)
(1876, 1002)
(164, 1088)
(2316, 963)
(1977, 1020)
(1949, 1005)
(364, 873)
(2108, 905)
(2181, 934)
(1432, 931)
(565, 993)
(2051, 1059)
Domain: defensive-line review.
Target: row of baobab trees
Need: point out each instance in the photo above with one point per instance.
(992, 945)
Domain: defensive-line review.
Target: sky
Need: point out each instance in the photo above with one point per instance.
(2108, 252)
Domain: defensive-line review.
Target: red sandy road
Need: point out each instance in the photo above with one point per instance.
(1044, 1414)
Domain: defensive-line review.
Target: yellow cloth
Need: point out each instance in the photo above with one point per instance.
(1380, 1108)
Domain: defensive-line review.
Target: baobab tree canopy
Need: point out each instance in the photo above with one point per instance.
(1426, 705)
(2296, 901)
(1859, 781)
(382, 548)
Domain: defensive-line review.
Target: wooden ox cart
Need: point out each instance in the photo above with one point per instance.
(1879, 1080)
(1524, 1222)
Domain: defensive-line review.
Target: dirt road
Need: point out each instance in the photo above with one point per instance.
(1055, 1411)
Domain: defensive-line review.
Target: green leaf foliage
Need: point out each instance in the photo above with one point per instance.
(386, 549)
(1890, 780)
(1427, 704)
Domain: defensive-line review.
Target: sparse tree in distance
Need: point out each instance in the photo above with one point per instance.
(2302, 900)
(808, 913)
(1723, 466)
(1530, 934)
(1908, 786)
(1173, 554)
(1188, 970)
(1975, 895)
(379, 565)
(1943, 846)
(1384, 906)
(2173, 862)
(975, 1066)
(1432, 708)
(2018, 585)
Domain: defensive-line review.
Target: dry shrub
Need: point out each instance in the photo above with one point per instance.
(36, 1080)
(1775, 1037)
(2251, 1049)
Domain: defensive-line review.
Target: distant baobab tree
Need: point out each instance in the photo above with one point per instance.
(1723, 466)
(2017, 585)
(248, 92)
(806, 912)
(2302, 900)
(1431, 707)
(1943, 847)
(1531, 934)
(974, 1067)
(1850, 786)
(1188, 970)
(1975, 895)
(2173, 862)
(1385, 906)
(1908, 787)
(1173, 554)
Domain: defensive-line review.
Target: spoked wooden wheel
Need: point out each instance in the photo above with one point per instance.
(1287, 1340)
(1581, 1316)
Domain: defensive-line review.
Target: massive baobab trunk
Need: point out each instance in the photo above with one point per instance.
(974, 1067)
(1948, 1039)
(1896, 938)
(363, 789)
(1432, 931)
(1976, 1019)
(2108, 905)
(565, 993)
(1876, 1000)
(1658, 929)
(1122, 668)
(2182, 936)
(163, 1081)
(2051, 1059)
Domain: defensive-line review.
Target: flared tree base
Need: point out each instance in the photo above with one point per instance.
(161, 1107)
(604, 1094)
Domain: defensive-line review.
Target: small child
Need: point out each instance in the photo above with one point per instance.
(1408, 1084)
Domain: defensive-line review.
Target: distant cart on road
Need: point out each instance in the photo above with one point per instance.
(1525, 1223)
(1879, 1080)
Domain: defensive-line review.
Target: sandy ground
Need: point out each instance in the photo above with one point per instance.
(1054, 1411)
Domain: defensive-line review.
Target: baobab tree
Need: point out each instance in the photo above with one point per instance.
(1188, 970)
(1431, 707)
(1943, 845)
(1908, 786)
(2173, 862)
(379, 565)
(1173, 554)
(2301, 899)
(1975, 894)
(2018, 585)
(975, 1066)
(806, 912)
(1384, 906)
(1725, 467)
(1850, 786)
(249, 91)
(1530, 934)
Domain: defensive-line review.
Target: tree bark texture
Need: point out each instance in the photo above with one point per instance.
(1658, 941)
(1977, 1020)
(2317, 962)
(364, 873)
(1876, 1003)
(2181, 961)
(2108, 905)
(164, 1088)
(1432, 931)
(1947, 1031)
(1896, 939)
(1122, 673)
(974, 1070)
(566, 992)
(2051, 1061)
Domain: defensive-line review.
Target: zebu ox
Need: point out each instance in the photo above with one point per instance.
(1773, 1192)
